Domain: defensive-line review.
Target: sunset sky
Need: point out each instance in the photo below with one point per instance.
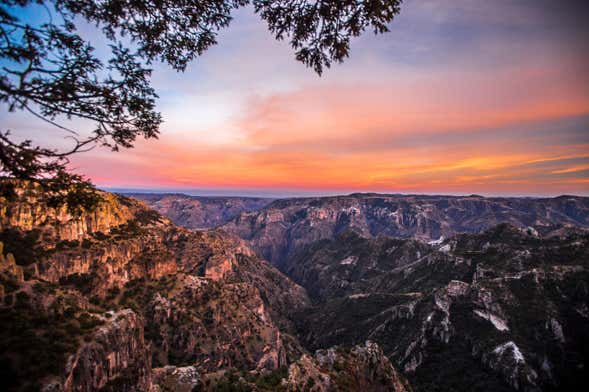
(461, 97)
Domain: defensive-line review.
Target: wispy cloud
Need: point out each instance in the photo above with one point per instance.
(462, 96)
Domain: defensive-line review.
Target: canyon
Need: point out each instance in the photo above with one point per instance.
(359, 292)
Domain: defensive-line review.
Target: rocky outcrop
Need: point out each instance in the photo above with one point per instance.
(130, 290)
(362, 368)
(109, 263)
(176, 379)
(200, 212)
(116, 358)
(211, 325)
(9, 267)
(55, 340)
(26, 212)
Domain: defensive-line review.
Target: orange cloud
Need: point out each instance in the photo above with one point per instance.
(573, 169)
(517, 130)
(350, 116)
(442, 169)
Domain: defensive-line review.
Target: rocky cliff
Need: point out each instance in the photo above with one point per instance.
(53, 339)
(201, 299)
(120, 299)
(115, 357)
(26, 211)
(194, 320)
(361, 368)
(287, 226)
(200, 212)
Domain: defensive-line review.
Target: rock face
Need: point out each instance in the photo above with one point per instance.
(351, 264)
(55, 340)
(115, 358)
(194, 320)
(121, 299)
(27, 213)
(9, 268)
(362, 368)
(288, 226)
(200, 212)
(158, 293)
(177, 379)
(505, 307)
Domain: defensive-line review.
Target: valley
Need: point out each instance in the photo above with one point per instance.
(360, 292)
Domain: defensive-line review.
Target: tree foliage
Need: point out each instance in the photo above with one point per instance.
(49, 70)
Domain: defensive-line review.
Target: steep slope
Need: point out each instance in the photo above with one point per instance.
(501, 310)
(55, 340)
(362, 368)
(120, 299)
(202, 299)
(200, 212)
(288, 226)
(350, 264)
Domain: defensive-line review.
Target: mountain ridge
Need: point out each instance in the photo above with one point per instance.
(200, 212)
(281, 228)
(423, 298)
(121, 299)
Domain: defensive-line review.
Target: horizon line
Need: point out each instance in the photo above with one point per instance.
(291, 194)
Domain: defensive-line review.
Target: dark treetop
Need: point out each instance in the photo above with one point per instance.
(50, 71)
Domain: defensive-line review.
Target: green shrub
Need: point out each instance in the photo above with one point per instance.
(24, 245)
(87, 321)
(100, 236)
(82, 282)
(272, 379)
(65, 244)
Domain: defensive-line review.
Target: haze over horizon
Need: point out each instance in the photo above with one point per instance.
(287, 194)
(461, 97)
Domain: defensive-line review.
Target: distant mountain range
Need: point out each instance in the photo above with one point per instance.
(279, 228)
(200, 212)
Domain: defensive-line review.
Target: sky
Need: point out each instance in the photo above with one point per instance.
(460, 97)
